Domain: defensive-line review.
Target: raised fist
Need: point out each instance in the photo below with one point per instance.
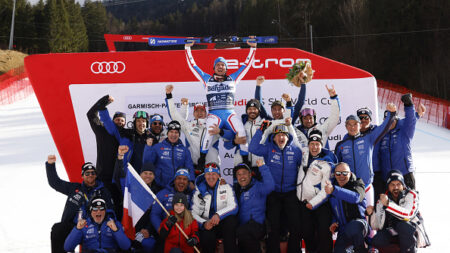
(169, 88)
(51, 159)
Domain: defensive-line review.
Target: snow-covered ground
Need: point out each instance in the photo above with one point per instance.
(30, 207)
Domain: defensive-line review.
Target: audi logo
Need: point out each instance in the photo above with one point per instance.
(108, 67)
(227, 171)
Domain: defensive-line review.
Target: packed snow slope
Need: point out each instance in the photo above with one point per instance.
(30, 207)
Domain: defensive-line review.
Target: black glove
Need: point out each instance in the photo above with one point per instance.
(136, 245)
(407, 99)
(201, 162)
(265, 124)
(192, 241)
(171, 221)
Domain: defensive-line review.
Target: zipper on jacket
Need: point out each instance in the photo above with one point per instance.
(390, 154)
(173, 161)
(354, 158)
(100, 236)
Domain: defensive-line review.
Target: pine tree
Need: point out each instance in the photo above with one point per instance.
(79, 42)
(60, 33)
(94, 15)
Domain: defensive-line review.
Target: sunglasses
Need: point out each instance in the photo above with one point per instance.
(364, 117)
(174, 126)
(88, 173)
(98, 208)
(157, 123)
(343, 173)
(140, 114)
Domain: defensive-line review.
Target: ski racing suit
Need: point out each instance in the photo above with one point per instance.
(220, 98)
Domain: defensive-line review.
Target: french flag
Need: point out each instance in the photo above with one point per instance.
(136, 200)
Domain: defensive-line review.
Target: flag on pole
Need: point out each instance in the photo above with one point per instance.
(136, 200)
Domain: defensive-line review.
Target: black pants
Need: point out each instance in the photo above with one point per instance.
(249, 236)
(289, 204)
(410, 180)
(406, 237)
(379, 186)
(316, 228)
(58, 236)
(226, 229)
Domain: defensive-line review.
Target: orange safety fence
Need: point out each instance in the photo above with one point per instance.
(437, 110)
(14, 86)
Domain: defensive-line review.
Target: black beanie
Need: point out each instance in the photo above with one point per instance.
(148, 167)
(179, 198)
(87, 166)
(120, 114)
(253, 103)
(395, 175)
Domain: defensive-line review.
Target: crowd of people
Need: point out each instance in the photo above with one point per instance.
(287, 184)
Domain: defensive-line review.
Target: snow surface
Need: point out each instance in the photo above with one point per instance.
(30, 207)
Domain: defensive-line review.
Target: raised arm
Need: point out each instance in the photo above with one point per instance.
(378, 133)
(242, 71)
(54, 180)
(92, 114)
(300, 102)
(258, 96)
(333, 119)
(198, 73)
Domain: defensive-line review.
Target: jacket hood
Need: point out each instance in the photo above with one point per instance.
(290, 139)
(202, 186)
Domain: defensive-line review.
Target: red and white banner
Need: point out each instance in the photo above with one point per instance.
(67, 85)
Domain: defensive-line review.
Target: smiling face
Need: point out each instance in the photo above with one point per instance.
(98, 214)
(277, 112)
(156, 127)
(281, 140)
(173, 136)
(243, 177)
(342, 174)
(119, 121)
(211, 178)
(89, 177)
(353, 127)
(252, 113)
(315, 147)
(178, 208)
(395, 188)
(147, 176)
(181, 183)
(141, 125)
(220, 69)
(307, 121)
(200, 113)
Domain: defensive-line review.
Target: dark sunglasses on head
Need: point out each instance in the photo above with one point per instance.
(344, 173)
(364, 117)
(98, 208)
(88, 173)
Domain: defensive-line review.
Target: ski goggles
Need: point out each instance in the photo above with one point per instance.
(343, 173)
(307, 111)
(140, 114)
(174, 125)
(280, 129)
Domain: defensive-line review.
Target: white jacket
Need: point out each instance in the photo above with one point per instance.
(405, 210)
(326, 128)
(193, 131)
(311, 185)
(250, 129)
(225, 201)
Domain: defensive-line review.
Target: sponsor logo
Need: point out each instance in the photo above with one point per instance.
(152, 41)
(127, 38)
(227, 171)
(267, 63)
(219, 87)
(108, 67)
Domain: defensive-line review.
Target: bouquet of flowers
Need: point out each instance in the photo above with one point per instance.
(301, 72)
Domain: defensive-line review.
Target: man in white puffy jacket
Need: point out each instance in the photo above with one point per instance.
(313, 175)
(193, 130)
(397, 215)
(214, 206)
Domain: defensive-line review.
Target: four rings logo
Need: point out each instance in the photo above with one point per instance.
(108, 67)
(227, 171)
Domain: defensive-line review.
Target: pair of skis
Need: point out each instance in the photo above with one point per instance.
(156, 42)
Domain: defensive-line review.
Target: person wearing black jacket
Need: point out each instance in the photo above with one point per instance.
(107, 144)
(78, 195)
